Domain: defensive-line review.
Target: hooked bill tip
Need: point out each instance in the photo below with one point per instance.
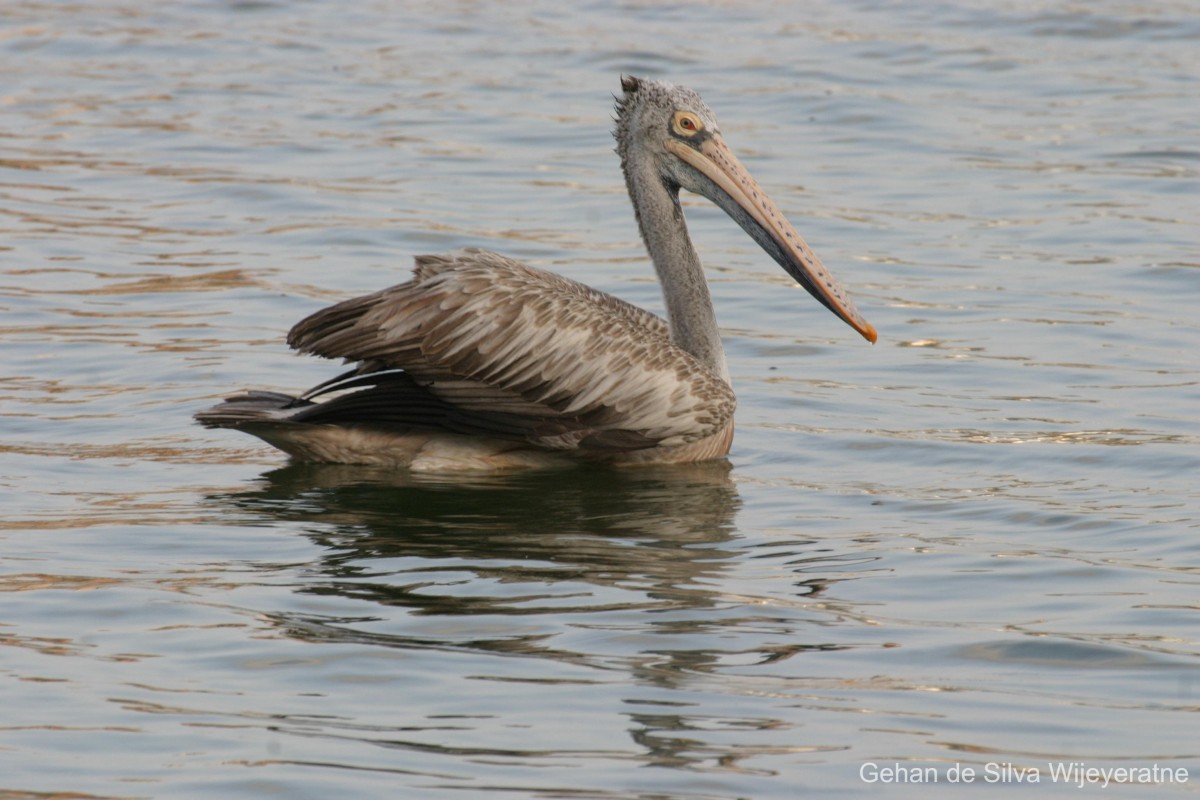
(868, 332)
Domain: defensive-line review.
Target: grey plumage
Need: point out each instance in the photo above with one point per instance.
(479, 361)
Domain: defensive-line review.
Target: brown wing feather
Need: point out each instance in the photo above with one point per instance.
(488, 334)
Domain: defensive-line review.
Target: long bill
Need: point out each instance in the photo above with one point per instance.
(744, 200)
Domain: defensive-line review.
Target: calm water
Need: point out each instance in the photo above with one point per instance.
(974, 545)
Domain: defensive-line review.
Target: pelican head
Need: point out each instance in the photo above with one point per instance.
(669, 132)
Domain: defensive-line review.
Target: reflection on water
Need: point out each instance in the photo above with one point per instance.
(683, 503)
(591, 572)
(580, 541)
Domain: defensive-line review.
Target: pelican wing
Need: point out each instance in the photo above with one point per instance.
(549, 359)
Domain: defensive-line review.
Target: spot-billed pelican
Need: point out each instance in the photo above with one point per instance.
(479, 362)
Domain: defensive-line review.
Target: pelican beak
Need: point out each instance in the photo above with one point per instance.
(732, 188)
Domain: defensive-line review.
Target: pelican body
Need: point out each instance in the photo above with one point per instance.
(480, 362)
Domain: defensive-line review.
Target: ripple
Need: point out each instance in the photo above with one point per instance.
(975, 544)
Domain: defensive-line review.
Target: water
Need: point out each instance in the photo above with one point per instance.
(972, 546)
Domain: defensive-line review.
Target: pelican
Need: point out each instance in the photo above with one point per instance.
(480, 362)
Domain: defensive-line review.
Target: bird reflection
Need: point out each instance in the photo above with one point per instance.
(581, 574)
(575, 541)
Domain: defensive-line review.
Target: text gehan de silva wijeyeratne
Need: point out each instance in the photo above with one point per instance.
(1077, 773)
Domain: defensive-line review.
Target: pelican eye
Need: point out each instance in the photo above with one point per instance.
(687, 124)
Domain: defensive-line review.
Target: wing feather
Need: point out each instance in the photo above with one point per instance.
(487, 334)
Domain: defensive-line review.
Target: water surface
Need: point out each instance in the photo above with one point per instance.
(971, 545)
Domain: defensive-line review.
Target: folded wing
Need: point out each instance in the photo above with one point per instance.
(529, 354)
